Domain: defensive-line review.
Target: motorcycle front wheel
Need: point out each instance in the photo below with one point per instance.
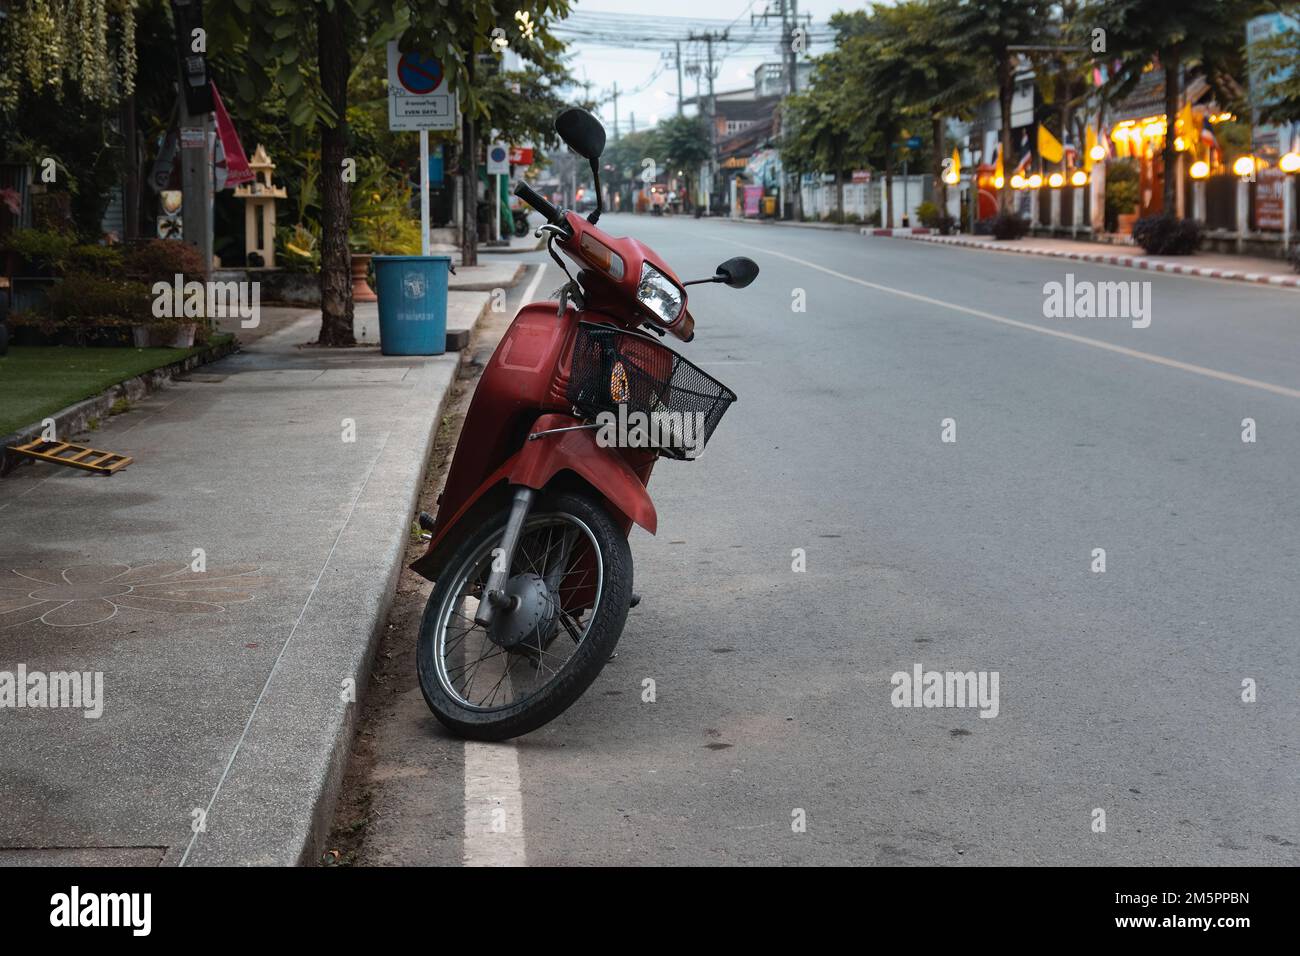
(572, 577)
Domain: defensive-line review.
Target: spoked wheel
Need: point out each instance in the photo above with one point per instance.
(571, 581)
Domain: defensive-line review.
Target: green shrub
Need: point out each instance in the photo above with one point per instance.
(1167, 235)
(95, 259)
(44, 249)
(161, 260)
(927, 214)
(1009, 226)
(1122, 190)
(83, 299)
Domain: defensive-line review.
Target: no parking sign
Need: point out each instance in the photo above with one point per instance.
(417, 92)
(498, 160)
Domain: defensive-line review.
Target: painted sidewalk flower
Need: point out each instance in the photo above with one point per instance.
(93, 593)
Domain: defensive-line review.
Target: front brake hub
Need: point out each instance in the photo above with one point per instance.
(532, 616)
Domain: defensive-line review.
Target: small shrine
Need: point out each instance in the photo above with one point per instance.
(259, 198)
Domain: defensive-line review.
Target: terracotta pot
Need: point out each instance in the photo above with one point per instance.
(361, 291)
(184, 338)
(1124, 223)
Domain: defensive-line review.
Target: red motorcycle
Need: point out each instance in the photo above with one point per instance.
(529, 551)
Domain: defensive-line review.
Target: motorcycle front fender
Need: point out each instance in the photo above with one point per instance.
(536, 465)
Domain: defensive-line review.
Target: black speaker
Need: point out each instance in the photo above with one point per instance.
(195, 86)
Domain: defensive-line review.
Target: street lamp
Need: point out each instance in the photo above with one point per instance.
(1244, 166)
(1035, 181)
(1078, 178)
(1018, 181)
(1289, 163)
(1200, 169)
(1098, 153)
(1056, 180)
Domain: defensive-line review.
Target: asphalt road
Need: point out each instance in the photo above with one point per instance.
(1119, 691)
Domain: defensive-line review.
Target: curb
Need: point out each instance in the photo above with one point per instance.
(296, 835)
(1131, 262)
(472, 286)
(900, 232)
(278, 803)
(75, 418)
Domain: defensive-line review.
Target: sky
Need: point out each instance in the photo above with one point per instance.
(648, 27)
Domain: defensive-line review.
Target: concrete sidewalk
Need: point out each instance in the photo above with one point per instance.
(228, 586)
(1207, 265)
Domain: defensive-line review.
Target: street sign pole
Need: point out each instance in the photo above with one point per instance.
(496, 205)
(424, 192)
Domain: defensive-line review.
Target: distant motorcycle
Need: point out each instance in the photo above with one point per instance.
(521, 222)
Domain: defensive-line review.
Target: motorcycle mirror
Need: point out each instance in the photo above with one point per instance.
(581, 132)
(738, 272)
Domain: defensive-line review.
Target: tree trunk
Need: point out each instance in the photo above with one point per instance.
(839, 195)
(940, 187)
(1169, 200)
(469, 186)
(1006, 89)
(336, 207)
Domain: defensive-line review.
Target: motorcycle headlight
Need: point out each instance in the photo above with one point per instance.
(660, 294)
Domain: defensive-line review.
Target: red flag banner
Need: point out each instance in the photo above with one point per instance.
(237, 170)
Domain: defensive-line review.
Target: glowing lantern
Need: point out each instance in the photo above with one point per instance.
(1244, 166)
(1056, 180)
(1098, 153)
(1018, 181)
(1035, 181)
(998, 182)
(1200, 169)
(1078, 178)
(1289, 163)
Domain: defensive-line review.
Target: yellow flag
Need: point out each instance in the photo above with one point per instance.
(956, 163)
(1089, 141)
(1048, 146)
(997, 167)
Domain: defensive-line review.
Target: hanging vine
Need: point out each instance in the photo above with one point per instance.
(56, 45)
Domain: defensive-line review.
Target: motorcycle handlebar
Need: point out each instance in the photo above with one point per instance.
(535, 199)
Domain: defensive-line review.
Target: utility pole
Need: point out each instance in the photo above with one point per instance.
(678, 44)
(615, 97)
(709, 38)
(788, 10)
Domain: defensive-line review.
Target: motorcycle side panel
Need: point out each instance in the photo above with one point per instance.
(537, 464)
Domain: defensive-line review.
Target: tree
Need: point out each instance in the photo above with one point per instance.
(302, 50)
(461, 33)
(828, 125)
(685, 143)
(1179, 35)
(941, 81)
(65, 67)
(991, 29)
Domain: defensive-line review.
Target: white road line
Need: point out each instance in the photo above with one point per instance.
(532, 286)
(494, 802)
(494, 806)
(1069, 336)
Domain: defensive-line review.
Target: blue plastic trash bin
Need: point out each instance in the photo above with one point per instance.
(412, 304)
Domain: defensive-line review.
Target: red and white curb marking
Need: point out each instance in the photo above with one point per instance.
(1131, 262)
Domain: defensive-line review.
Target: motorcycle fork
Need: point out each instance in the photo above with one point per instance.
(494, 592)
